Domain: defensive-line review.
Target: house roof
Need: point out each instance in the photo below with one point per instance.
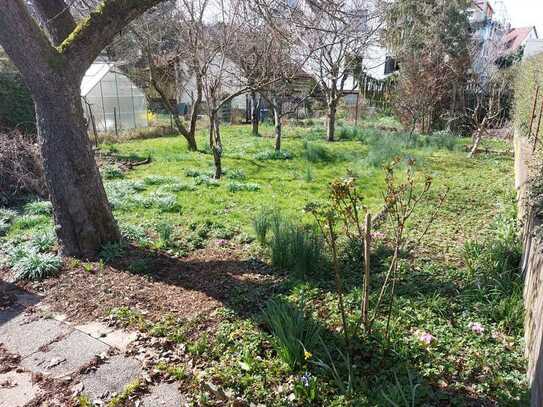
(515, 38)
(94, 75)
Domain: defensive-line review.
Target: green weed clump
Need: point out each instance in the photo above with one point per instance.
(38, 208)
(134, 233)
(273, 155)
(31, 260)
(6, 219)
(236, 174)
(315, 153)
(37, 266)
(344, 133)
(296, 337)
(43, 241)
(111, 171)
(177, 187)
(497, 287)
(383, 146)
(243, 186)
(158, 180)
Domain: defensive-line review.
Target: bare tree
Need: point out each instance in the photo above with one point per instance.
(53, 66)
(224, 76)
(330, 35)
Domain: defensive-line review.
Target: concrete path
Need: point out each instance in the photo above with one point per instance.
(86, 359)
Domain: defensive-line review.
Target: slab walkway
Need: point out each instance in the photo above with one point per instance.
(87, 358)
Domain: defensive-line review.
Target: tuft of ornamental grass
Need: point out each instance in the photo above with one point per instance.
(295, 335)
(38, 208)
(30, 264)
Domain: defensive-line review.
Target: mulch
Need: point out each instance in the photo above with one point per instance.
(185, 287)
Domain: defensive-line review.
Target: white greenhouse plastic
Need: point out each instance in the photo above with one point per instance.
(112, 99)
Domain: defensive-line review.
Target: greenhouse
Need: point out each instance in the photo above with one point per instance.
(111, 101)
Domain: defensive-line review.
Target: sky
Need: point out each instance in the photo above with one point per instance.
(525, 13)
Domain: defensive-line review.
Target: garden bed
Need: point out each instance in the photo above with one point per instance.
(192, 272)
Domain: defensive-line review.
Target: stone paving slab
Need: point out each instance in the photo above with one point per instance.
(20, 334)
(164, 395)
(65, 356)
(16, 389)
(119, 339)
(111, 377)
(95, 329)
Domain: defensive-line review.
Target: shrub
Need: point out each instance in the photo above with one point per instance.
(111, 171)
(316, 153)
(273, 155)
(241, 186)
(21, 168)
(38, 208)
(34, 265)
(294, 334)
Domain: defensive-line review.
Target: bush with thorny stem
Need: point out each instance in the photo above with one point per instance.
(402, 196)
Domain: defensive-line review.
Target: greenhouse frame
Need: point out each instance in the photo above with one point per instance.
(111, 101)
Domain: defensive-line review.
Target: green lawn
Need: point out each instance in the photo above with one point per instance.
(443, 287)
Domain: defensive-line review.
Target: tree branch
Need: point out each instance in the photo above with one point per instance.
(25, 43)
(95, 32)
(56, 18)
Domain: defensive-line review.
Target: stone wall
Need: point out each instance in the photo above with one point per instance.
(532, 268)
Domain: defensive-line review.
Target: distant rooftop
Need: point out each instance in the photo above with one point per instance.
(517, 37)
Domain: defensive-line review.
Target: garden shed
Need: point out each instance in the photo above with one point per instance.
(111, 100)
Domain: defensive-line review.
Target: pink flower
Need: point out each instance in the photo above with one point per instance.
(476, 327)
(221, 242)
(377, 235)
(426, 338)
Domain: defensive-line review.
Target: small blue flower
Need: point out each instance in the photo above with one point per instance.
(305, 379)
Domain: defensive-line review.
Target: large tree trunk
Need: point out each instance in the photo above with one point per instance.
(277, 121)
(331, 120)
(83, 217)
(215, 142)
(53, 72)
